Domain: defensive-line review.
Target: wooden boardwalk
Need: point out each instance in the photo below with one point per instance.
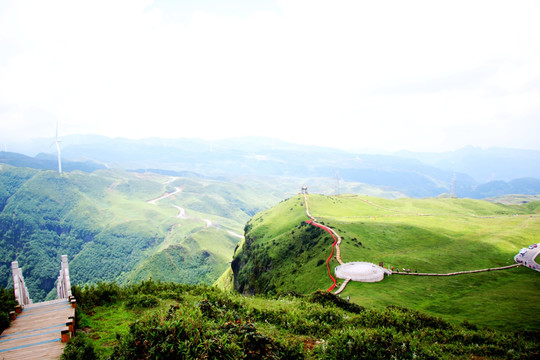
(36, 332)
(458, 272)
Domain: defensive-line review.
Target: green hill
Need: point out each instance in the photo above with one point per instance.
(283, 253)
(108, 225)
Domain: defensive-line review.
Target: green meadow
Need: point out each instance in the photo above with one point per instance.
(439, 235)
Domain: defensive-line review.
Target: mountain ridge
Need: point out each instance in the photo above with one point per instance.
(281, 253)
(412, 174)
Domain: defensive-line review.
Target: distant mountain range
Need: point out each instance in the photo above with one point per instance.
(484, 165)
(469, 172)
(47, 162)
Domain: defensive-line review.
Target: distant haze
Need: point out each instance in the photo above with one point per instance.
(416, 75)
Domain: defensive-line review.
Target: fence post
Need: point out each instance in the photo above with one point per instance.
(19, 287)
(63, 287)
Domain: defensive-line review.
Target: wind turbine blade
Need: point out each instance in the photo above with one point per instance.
(58, 150)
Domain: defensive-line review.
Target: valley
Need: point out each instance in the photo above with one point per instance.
(120, 226)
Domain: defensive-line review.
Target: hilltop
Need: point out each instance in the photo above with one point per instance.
(282, 252)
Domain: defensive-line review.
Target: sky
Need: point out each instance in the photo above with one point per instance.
(354, 74)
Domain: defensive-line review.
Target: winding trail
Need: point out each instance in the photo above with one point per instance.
(342, 287)
(164, 196)
(183, 215)
(458, 272)
(337, 241)
(181, 212)
(235, 234)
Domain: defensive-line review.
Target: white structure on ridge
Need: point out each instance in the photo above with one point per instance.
(57, 142)
(361, 271)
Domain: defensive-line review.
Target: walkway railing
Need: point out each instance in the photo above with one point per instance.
(39, 330)
(63, 286)
(21, 291)
(456, 273)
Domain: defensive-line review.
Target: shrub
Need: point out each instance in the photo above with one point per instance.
(370, 344)
(184, 333)
(212, 324)
(328, 299)
(410, 320)
(7, 304)
(96, 295)
(79, 348)
(141, 301)
(289, 293)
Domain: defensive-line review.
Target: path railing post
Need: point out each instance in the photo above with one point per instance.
(19, 287)
(63, 286)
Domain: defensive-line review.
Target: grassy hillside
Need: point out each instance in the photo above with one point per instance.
(107, 224)
(283, 253)
(198, 258)
(153, 320)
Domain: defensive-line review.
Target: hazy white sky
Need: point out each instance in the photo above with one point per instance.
(418, 75)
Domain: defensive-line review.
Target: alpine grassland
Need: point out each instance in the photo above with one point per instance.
(157, 320)
(282, 252)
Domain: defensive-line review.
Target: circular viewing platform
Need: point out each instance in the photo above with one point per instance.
(361, 271)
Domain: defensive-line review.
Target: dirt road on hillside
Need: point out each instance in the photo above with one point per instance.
(164, 196)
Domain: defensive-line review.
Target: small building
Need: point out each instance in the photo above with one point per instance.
(304, 189)
(361, 271)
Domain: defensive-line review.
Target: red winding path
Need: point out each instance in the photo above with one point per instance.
(335, 236)
(331, 254)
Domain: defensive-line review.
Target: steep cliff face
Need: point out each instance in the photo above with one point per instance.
(243, 271)
(249, 264)
(281, 252)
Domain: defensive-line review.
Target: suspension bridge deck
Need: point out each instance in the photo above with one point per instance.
(36, 332)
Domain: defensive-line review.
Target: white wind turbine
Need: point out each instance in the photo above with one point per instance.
(57, 142)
